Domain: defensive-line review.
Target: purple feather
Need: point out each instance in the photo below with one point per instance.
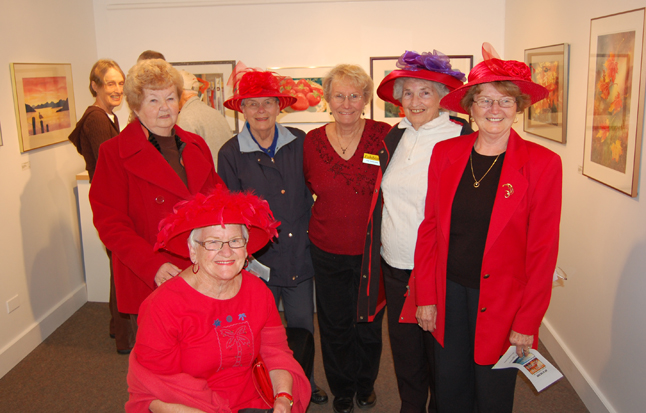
(435, 62)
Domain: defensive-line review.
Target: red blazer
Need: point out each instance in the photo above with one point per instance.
(521, 248)
(133, 188)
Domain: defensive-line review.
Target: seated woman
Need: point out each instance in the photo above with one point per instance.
(200, 332)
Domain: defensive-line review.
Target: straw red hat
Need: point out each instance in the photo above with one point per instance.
(427, 66)
(493, 69)
(219, 207)
(253, 83)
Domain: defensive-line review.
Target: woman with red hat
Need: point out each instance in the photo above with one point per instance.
(398, 209)
(201, 331)
(267, 158)
(486, 250)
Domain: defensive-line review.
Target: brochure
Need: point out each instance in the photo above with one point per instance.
(535, 367)
(258, 269)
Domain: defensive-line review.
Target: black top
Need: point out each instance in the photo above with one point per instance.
(470, 217)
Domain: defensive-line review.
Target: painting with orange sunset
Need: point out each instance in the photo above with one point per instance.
(46, 103)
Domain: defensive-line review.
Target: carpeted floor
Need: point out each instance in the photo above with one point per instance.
(77, 369)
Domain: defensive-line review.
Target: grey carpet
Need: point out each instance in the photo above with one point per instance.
(77, 369)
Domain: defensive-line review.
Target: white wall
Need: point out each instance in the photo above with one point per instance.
(39, 246)
(596, 321)
(287, 35)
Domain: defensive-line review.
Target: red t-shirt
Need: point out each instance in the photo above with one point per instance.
(343, 189)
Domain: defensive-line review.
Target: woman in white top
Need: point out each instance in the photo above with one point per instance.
(398, 210)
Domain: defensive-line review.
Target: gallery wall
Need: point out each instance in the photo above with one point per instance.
(39, 247)
(596, 319)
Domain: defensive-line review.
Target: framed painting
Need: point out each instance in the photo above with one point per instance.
(615, 114)
(43, 97)
(380, 67)
(549, 66)
(306, 84)
(214, 76)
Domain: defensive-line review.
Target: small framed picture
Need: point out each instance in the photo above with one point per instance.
(311, 107)
(214, 76)
(549, 66)
(44, 102)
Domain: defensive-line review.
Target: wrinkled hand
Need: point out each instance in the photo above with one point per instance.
(165, 273)
(426, 316)
(522, 342)
(281, 405)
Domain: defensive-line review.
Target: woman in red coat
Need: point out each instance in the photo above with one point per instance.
(140, 175)
(486, 250)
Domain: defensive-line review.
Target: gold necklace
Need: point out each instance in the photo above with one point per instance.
(476, 184)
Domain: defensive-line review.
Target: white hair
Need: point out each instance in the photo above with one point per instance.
(398, 87)
(192, 238)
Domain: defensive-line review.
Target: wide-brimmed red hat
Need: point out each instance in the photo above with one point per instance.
(434, 66)
(253, 83)
(493, 69)
(219, 207)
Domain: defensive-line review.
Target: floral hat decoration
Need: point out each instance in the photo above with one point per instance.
(494, 69)
(254, 83)
(433, 66)
(219, 207)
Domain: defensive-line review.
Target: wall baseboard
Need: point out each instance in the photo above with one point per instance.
(583, 384)
(37, 332)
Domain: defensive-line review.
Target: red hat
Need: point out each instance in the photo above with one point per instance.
(496, 70)
(258, 84)
(219, 207)
(427, 66)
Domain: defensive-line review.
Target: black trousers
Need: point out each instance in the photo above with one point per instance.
(351, 351)
(461, 384)
(412, 347)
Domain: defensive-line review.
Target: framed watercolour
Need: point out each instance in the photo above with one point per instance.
(311, 109)
(380, 67)
(615, 113)
(549, 66)
(214, 76)
(43, 97)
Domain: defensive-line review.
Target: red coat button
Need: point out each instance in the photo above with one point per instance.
(159, 199)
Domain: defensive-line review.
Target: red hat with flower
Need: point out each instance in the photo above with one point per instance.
(219, 207)
(493, 69)
(254, 83)
(435, 67)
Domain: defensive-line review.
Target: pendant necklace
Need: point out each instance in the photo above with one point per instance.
(476, 184)
(338, 138)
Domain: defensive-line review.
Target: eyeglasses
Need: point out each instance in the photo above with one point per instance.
(486, 103)
(352, 97)
(217, 245)
(254, 105)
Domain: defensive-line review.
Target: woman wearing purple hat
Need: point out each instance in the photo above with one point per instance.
(398, 209)
(487, 248)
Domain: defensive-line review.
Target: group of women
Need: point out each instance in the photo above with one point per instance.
(456, 231)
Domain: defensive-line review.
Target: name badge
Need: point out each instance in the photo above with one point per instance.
(371, 159)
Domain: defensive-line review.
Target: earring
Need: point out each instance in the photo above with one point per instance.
(195, 270)
(246, 263)
(516, 119)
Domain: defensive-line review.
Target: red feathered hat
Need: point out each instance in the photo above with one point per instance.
(433, 66)
(219, 207)
(253, 83)
(493, 69)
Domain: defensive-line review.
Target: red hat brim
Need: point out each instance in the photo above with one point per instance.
(385, 89)
(452, 100)
(235, 102)
(219, 207)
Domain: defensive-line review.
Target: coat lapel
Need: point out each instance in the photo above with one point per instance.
(144, 161)
(511, 179)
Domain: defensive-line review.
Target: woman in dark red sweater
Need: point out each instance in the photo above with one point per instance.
(340, 170)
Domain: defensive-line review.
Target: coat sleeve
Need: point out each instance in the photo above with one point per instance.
(542, 247)
(227, 165)
(110, 207)
(424, 272)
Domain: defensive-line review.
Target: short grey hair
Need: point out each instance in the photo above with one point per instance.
(192, 238)
(398, 87)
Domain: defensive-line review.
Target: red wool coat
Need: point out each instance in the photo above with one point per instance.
(520, 252)
(133, 188)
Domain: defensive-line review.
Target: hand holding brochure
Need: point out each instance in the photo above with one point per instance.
(535, 367)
